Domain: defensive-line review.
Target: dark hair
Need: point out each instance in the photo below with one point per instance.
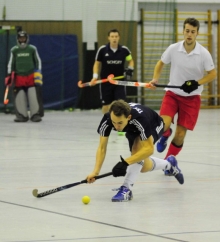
(119, 108)
(192, 21)
(113, 31)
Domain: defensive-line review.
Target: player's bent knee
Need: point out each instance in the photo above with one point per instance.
(148, 165)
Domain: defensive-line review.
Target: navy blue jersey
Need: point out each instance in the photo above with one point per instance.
(112, 62)
(144, 122)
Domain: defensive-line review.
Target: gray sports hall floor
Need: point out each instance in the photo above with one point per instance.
(61, 150)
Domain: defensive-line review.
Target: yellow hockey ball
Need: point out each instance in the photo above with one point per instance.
(86, 199)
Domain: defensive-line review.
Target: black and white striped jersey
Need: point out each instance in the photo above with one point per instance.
(144, 122)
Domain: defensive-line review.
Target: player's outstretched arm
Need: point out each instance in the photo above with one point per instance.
(100, 157)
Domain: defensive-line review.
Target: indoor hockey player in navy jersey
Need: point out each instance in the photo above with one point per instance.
(112, 59)
(143, 128)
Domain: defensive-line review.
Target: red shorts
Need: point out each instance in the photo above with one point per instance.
(187, 108)
(24, 81)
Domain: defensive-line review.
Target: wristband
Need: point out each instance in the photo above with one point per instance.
(95, 76)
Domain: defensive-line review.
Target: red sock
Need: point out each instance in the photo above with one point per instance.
(173, 150)
(167, 133)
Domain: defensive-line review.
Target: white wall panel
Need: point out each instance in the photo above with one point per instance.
(88, 11)
(117, 10)
(33, 9)
(69, 9)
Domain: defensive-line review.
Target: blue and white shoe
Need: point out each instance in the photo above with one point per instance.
(175, 170)
(168, 173)
(162, 142)
(124, 195)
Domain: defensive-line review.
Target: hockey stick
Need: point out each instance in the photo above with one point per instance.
(6, 100)
(9, 80)
(138, 84)
(59, 189)
(87, 84)
(164, 85)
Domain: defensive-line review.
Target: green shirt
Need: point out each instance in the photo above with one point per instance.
(23, 61)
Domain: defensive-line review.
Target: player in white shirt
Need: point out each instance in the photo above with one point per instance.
(189, 60)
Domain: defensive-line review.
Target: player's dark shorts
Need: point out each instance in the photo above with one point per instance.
(110, 93)
(156, 135)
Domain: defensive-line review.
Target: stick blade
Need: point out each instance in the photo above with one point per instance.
(35, 192)
(6, 101)
(80, 84)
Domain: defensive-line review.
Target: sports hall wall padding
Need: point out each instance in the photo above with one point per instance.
(60, 69)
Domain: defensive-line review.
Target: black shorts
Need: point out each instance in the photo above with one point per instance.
(132, 136)
(110, 93)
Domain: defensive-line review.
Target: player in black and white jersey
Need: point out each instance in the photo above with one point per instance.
(143, 128)
(110, 59)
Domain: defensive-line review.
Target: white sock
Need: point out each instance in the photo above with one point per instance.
(132, 173)
(160, 164)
